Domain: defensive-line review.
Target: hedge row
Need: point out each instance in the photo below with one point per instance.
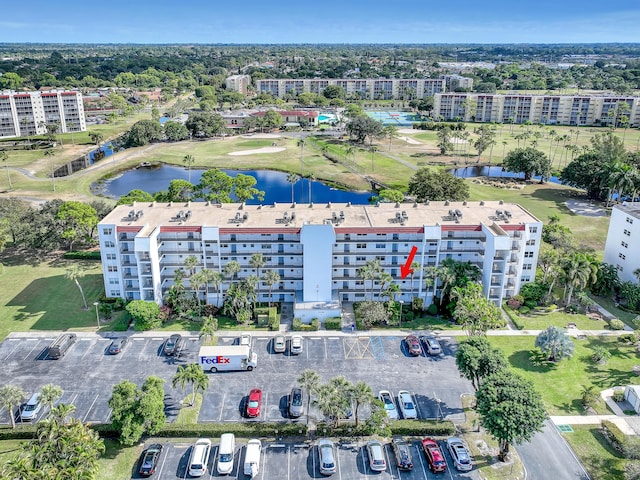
(514, 317)
(333, 323)
(419, 428)
(627, 445)
(92, 255)
(298, 326)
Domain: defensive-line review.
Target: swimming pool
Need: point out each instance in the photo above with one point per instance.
(326, 118)
(401, 119)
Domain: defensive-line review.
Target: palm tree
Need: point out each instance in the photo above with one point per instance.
(4, 157)
(271, 277)
(555, 343)
(10, 397)
(208, 329)
(362, 395)
(189, 160)
(293, 178)
(310, 179)
(74, 273)
(197, 281)
(580, 270)
(373, 149)
(231, 269)
(351, 150)
(191, 262)
(49, 153)
(330, 402)
(257, 261)
(97, 138)
(390, 131)
(430, 277)
(191, 374)
(414, 266)
(49, 394)
(309, 381)
(216, 280)
(446, 275)
(60, 412)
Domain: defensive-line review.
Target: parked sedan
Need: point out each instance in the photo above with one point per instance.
(389, 406)
(402, 452)
(460, 454)
(375, 451)
(279, 344)
(295, 403)
(149, 460)
(245, 339)
(117, 346)
(407, 405)
(326, 451)
(413, 345)
(254, 403)
(173, 345)
(296, 345)
(431, 345)
(433, 454)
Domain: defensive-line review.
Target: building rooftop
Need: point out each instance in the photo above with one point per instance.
(386, 215)
(632, 209)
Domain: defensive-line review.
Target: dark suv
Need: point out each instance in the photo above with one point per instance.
(173, 346)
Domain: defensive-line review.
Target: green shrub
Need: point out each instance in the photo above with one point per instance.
(629, 338)
(408, 317)
(423, 427)
(514, 317)
(417, 304)
(333, 323)
(551, 308)
(629, 446)
(572, 309)
(92, 255)
(616, 324)
(244, 430)
(618, 396)
(433, 309)
(298, 326)
(524, 310)
(530, 304)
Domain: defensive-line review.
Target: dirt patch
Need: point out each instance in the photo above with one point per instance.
(410, 141)
(257, 151)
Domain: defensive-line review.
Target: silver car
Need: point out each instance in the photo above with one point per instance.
(296, 345)
(377, 461)
(30, 411)
(431, 345)
(389, 405)
(295, 403)
(460, 454)
(326, 451)
(279, 343)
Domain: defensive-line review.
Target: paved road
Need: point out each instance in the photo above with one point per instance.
(548, 456)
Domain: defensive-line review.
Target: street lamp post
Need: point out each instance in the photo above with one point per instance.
(95, 304)
(401, 305)
(437, 399)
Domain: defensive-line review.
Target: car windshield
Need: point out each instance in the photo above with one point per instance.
(253, 404)
(196, 466)
(461, 453)
(408, 405)
(170, 343)
(378, 462)
(29, 407)
(225, 457)
(297, 400)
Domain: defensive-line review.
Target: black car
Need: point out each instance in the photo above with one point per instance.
(173, 345)
(117, 346)
(402, 452)
(149, 460)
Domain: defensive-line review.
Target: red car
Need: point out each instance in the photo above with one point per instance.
(413, 345)
(253, 405)
(434, 455)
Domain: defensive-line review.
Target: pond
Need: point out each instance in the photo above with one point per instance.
(492, 171)
(275, 185)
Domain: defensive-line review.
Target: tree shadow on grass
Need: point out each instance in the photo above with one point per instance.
(610, 377)
(531, 361)
(13, 257)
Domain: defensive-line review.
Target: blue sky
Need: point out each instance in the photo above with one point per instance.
(327, 21)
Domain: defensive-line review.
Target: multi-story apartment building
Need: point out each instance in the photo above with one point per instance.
(317, 249)
(26, 114)
(621, 249)
(239, 83)
(454, 82)
(365, 88)
(546, 109)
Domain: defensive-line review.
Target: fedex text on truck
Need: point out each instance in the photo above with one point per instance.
(218, 360)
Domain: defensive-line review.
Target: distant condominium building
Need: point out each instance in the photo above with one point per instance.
(27, 114)
(239, 83)
(546, 109)
(316, 249)
(621, 249)
(364, 88)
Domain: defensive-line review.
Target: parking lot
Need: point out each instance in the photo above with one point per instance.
(287, 461)
(87, 373)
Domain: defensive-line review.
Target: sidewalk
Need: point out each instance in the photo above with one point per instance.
(620, 422)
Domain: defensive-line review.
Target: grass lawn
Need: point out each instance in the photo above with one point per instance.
(35, 294)
(118, 462)
(608, 304)
(9, 449)
(429, 323)
(188, 415)
(540, 320)
(560, 384)
(595, 453)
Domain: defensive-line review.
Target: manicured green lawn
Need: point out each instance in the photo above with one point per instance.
(540, 320)
(35, 294)
(429, 323)
(608, 304)
(595, 453)
(9, 449)
(118, 462)
(560, 384)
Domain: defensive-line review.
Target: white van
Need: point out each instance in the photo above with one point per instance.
(252, 458)
(199, 457)
(225, 453)
(31, 409)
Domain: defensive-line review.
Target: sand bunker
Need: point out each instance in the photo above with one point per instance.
(257, 151)
(410, 141)
(409, 130)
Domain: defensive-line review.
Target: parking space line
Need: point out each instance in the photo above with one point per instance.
(86, 351)
(264, 462)
(14, 349)
(420, 454)
(166, 453)
(266, 402)
(364, 464)
(90, 407)
(224, 395)
(288, 463)
(34, 347)
(141, 354)
(325, 348)
(415, 403)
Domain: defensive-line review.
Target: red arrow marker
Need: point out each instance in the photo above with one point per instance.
(406, 268)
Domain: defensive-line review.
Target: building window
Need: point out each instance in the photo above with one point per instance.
(525, 278)
(114, 293)
(627, 233)
(112, 268)
(619, 267)
(107, 231)
(266, 246)
(533, 229)
(361, 245)
(109, 244)
(624, 244)
(622, 256)
(380, 245)
(629, 220)
(531, 242)
(528, 254)
(526, 266)
(114, 281)
(361, 259)
(111, 256)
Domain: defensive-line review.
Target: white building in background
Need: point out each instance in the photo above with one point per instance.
(545, 109)
(365, 88)
(316, 249)
(623, 239)
(239, 83)
(27, 113)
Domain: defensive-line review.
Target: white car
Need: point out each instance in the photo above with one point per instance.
(377, 461)
(407, 405)
(389, 405)
(245, 339)
(460, 454)
(296, 345)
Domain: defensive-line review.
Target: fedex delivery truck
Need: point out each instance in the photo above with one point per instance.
(229, 357)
